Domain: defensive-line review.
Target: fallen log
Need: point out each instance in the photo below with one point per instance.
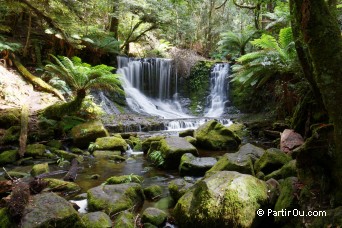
(72, 174)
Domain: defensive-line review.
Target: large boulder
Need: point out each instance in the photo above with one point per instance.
(49, 210)
(35, 150)
(114, 198)
(290, 140)
(146, 144)
(224, 199)
(85, 133)
(111, 143)
(153, 216)
(195, 166)
(8, 157)
(271, 160)
(214, 136)
(96, 219)
(173, 148)
(178, 187)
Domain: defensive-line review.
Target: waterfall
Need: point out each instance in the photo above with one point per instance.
(150, 87)
(218, 91)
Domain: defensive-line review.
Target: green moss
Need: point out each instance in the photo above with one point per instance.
(8, 157)
(111, 143)
(288, 170)
(5, 219)
(35, 150)
(96, 220)
(10, 117)
(40, 169)
(57, 144)
(136, 143)
(124, 179)
(61, 185)
(154, 216)
(239, 129)
(147, 142)
(111, 155)
(67, 155)
(152, 192)
(125, 219)
(191, 140)
(271, 160)
(11, 135)
(85, 133)
(178, 187)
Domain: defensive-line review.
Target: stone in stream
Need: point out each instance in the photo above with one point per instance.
(195, 166)
(97, 219)
(271, 160)
(153, 192)
(35, 150)
(111, 143)
(85, 133)
(49, 210)
(154, 216)
(124, 219)
(214, 136)
(223, 199)
(173, 148)
(38, 169)
(178, 187)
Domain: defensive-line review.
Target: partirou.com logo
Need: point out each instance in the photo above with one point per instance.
(294, 212)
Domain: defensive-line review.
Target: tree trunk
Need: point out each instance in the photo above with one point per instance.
(24, 129)
(320, 33)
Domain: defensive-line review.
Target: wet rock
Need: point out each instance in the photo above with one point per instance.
(214, 136)
(195, 166)
(62, 186)
(188, 132)
(238, 128)
(8, 157)
(97, 219)
(125, 219)
(153, 192)
(224, 199)
(109, 155)
(85, 133)
(154, 216)
(147, 142)
(178, 187)
(273, 159)
(172, 150)
(111, 143)
(191, 140)
(67, 155)
(136, 143)
(35, 150)
(288, 170)
(115, 198)
(39, 169)
(124, 179)
(251, 151)
(49, 210)
(290, 140)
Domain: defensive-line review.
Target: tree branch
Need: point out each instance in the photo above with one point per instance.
(244, 6)
(224, 3)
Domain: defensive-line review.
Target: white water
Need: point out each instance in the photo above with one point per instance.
(218, 94)
(179, 125)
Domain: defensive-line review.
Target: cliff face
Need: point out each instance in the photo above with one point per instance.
(14, 92)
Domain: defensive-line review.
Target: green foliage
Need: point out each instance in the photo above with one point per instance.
(157, 158)
(9, 46)
(92, 147)
(280, 17)
(68, 122)
(89, 109)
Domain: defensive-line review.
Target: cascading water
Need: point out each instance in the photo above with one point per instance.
(218, 94)
(149, 87)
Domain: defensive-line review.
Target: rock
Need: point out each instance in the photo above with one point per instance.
(287, 200)
(55, 144)
(290, 140)
(108, 155)
(62, 186)
(238, 128)
(5, 218)
(115, 198)
(10, 117)
(172, 150)
(214, 136)
(188, 132)
(251, 151)
(67, 155)
(111, 143)
(195, 166)
(35, 150)
(125, 219)
(49, 210)
(147, 143)
(11, 135)
(164, 203)
(85, 133)
(332, 218)
(40, 169)
(8, 157)
(153, 192)
(178, 187)
(288, 170)
(271, 160)
(191, 140)
(154, 216)
(224, 199)
(97, 219)
(124, 179)
(136, 143)
(234, 162)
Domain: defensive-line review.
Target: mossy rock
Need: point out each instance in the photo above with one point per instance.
(40, 169)
(109, 155)
(239, 129)
(124, 179)
(10, 117)
(56, 144)
(287, 200)
(273, 159)
(67, 155)
(111, 143)
(191, 140)
(173, 148)
(11, 135)
(115, 198)
(154, 216)
(8, 157)
(5, 218)
(96, 219)
(85, 133)
(223, 199)
(178, 187)
(35, 150)
(234, 162)
(214, 136)
(62, 186)
(195, 166)
(125, 219)
(333, 218)
(188, 132)
(49, 210)
(288, 170)
(152, 192)
(136, 143)
(147, 142)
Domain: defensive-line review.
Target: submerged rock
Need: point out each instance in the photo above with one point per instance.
(115, 198)
(97, 219)
(224, 199)
(49, 210)
(154, 216)
(85, 133)
(195, 166)
(214, 136)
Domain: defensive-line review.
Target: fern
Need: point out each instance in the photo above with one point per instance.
(157, 158)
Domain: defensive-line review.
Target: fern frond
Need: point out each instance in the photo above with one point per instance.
(285, 37)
